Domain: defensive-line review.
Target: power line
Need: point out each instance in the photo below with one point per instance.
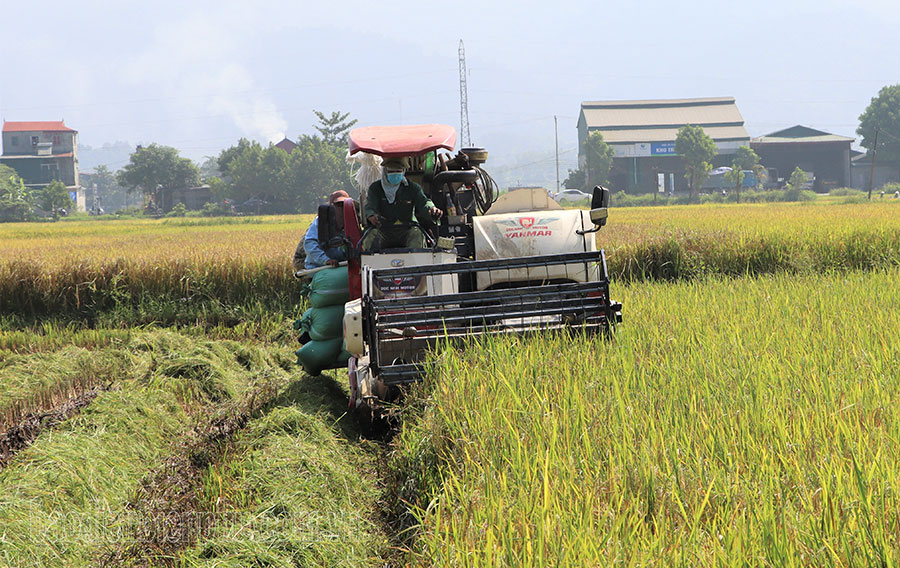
(888, 134)
(534, 163)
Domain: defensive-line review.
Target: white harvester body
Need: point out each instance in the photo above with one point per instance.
(527, 255)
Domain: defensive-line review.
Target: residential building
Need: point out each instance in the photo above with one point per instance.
(287, 145)
(42, 152)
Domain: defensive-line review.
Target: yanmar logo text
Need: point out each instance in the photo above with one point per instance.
(528, 227)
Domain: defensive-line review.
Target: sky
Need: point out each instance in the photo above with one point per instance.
(200, 75)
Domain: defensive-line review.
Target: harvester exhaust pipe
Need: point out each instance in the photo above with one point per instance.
(455, 176)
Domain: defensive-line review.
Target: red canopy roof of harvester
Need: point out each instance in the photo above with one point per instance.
(396, 141)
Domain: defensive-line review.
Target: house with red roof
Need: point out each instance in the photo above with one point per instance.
(287, 145)
(42, 152)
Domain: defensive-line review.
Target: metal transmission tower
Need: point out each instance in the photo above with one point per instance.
(464, 135)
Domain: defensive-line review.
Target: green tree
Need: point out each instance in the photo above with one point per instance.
(218, 188)
(55, 197)
(576, 180)
(744, 159)
(882, 113)
(317, 169)
(227, 155)
(157, 170)
(736, 177)
(209, 167)
(104, 178)
(598, 159)
(698, 151)
(797, 180)
(15, 198)
(112, 196)
(178, 211)
(105, 185)
(287, 183)
(247, 178)
(11, 185)
(335, 128)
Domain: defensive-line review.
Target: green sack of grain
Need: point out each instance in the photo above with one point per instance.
(323, 323)
(329, 287)
(316, 356)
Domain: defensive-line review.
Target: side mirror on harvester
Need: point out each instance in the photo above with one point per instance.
(599, 206)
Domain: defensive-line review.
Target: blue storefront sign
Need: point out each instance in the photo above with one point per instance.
(662, 149)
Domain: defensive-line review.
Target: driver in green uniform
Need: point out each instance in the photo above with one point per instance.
(392, 203)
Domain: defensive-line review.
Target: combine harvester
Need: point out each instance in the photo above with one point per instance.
(494, 266)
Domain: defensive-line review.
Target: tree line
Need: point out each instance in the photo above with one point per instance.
(262, 178)
(246, 176)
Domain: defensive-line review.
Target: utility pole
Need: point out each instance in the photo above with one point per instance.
(464, 135)
(872, 169)
(556, 135)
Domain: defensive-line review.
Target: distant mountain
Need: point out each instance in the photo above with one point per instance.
(530, 168)
(112, 155)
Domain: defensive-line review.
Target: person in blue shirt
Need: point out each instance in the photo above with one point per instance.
(311, 248)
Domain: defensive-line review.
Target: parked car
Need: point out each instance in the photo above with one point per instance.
(571, 196)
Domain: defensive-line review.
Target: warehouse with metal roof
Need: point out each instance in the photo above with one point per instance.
(642, 135)
(824, 155)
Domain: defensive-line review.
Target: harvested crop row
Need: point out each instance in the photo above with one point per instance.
(63, 500)
(168, 500)
(39, 382)
(746, 421)
(18, 437)
(298, 488)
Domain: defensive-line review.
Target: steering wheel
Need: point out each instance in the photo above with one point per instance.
(429, 239)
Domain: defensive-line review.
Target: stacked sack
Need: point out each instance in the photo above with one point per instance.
(328, 291)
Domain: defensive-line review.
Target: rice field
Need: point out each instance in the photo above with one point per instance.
(149, 271)
(176, 271)
(744, 413)
(730, 422)
(684, 242)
